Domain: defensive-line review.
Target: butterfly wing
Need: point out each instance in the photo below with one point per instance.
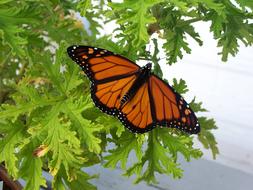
(111, 75)
(169, 108)
(136, 114)
(157, 104)
(100, 65)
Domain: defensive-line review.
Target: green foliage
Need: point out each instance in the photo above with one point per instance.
(125, 144)
(244, 3)
(51, 112)
(47, 118)
(197, 107)
(31, 165)
(174, 20)
(10, 32)
(134, 18)
(155, 59)
(206, 137)
(158, 160)
(14, 133)
(180, 86)
(161, 155)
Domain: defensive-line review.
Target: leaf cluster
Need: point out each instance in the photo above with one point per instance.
(174, 21)
(41, 110)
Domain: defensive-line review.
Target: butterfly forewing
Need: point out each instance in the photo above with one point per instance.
(102, 65)
(109, 94)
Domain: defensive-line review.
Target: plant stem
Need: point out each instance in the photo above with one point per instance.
(13, 185)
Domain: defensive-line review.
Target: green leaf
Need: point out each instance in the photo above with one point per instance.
(10, 36)
(5, 1)
(111, 123)
(53, 68)
(211, 4)
(174, 45)
(72, 77)
(93, 17)
(179, 144)
(197, 107)
(62, 142)
(245, 3)
(155, 59)
(189, 29)
(158, 160)
(175, 28)
(26, 106)
(81, 181)
(180, 4)
(58, 182)
(12, 138)
(125, 144)
(65, 77)
(217, 24)
(86, 128)
(31, 169)
(229, 40)
(61, 182)
(10, 32)
(180, 86)
(83, 6)
(231, 28)
(206, 137)
(135, 16)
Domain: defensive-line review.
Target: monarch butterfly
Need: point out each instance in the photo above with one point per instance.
(139, 98)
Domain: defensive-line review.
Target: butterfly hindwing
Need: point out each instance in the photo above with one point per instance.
(169, 108)
(137, 112)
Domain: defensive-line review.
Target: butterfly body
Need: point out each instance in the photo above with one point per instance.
(142, 77)
(139, 98)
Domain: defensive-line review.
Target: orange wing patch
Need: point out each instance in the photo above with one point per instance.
(164, 100)
(100, 64)
(170, 109)
(111, 93)
(138, 110)
(110, 66)
(120, 61)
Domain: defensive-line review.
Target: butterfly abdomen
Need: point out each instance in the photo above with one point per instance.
(124, 99)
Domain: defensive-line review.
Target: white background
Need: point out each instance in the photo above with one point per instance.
(226, 89)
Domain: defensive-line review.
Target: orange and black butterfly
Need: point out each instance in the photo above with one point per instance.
(140, 99)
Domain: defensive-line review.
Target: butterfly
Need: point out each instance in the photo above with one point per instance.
(140, 99)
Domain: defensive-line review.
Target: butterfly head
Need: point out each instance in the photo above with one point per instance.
(148, 66)
(146, 70)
